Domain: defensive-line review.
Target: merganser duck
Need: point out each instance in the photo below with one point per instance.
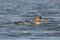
(36, 21)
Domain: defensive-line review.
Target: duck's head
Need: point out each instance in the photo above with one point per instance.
(37, 19)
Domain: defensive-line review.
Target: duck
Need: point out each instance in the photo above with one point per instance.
(37, 20)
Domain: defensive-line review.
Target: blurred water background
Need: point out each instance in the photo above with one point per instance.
(14, 10)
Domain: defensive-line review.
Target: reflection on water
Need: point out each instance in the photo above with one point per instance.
(14, 10)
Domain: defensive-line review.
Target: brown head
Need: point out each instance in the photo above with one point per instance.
(37, 19)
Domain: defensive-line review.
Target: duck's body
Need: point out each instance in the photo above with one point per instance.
(36, 21)
(23, 22)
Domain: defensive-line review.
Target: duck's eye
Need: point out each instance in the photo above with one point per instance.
(40, 17)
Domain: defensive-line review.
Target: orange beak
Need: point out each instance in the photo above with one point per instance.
(44, 18)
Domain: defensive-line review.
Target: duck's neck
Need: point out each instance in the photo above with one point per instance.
(36, 22)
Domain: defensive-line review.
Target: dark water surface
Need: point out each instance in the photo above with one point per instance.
(14, 10)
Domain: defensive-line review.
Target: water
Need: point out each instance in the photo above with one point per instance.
(14, 10)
